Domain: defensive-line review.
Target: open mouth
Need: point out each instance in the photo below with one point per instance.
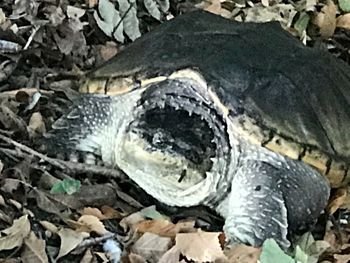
(176, 140)
(177, 134)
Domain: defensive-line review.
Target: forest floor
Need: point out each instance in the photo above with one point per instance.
(57, 211)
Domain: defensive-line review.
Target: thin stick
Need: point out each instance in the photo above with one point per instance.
(31, 37)
(66, 165)
(95, 240)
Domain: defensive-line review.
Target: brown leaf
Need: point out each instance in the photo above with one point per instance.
(337, 200)
(200, 246)
(283, 13)
(15, 234)
(93, 212)
(36, 124)
(34, 250)
(151, 247)
(9, 185)
(11, 121)
(108, 51)
(243, 254)
(131, 220)
(49, 226)
(214, 7)
(171, 256)
(326, 19)
(164, 227)
(70, 239)
(111, 213)
(2, 16)
(45, 203)
(88, 257)
(344, 21)
(134, 258)
(106, 212)
(90, 223)
(91, 3)
(342, 258)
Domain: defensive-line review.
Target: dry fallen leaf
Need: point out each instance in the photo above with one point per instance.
(171, 256)
(93, 212)
(88, 257)
(70, 239)
(15, 234)
(91, 3)
(214, 7)
(326, 19)
(2, 16)
(337, 200)
(36, 124)
(106, 212)
(109, 50)
(344, 21)
(111, 213)
(200, 246)
(151, 246)
(342, 258)
(164, 227)
(90, 223)
(310, 5)
(283, 13)
(34, 250)
(49, 226)
(133, 219)
(134, 258)
(243, 254)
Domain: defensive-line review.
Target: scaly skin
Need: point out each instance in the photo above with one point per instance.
(175, 141)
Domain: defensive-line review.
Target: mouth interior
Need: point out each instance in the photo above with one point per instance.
(177, 133)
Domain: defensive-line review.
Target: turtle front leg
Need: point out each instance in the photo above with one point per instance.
(270, 200)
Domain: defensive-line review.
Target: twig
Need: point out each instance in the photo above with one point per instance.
(94, 241)
(67, 166)
(31, 37)
(123, 17)
(26, 149)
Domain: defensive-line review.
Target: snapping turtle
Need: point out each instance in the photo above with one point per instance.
(240, 117)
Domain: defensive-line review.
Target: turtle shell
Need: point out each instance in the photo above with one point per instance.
(279, 94)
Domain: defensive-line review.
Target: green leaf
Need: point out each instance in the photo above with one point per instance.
(305, 241)
(302, 23)
(108, 20)
(271, 253)
(67, 186)
(344, 5)
(300, 255)
(151, 212)
(128, 12)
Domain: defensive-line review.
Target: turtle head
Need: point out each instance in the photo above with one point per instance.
(167, 135)
(176, 143)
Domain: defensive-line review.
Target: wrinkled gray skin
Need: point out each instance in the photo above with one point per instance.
(176, 140)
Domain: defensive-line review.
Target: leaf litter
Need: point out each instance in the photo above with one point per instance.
(93, 216)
